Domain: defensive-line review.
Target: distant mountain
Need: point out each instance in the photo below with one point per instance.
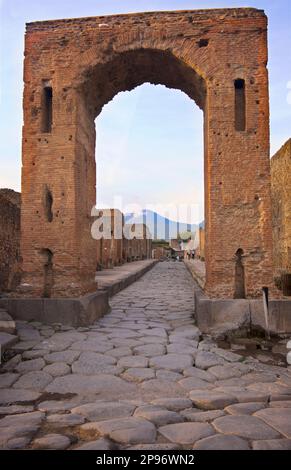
(161, 227)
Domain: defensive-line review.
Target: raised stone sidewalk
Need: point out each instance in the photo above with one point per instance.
(142, 377)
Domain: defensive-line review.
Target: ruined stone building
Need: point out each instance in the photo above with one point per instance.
(121, 242)
(281, 206)
(137, 242)
(9, 239)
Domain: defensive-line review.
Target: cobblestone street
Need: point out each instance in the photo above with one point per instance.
(142, 377)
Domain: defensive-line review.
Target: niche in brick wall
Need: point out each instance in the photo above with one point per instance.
(239, 292)
(48, 204)
(47, 109)
(240, 105)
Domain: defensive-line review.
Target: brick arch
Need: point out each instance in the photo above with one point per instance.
(126, 70)
(76, 66)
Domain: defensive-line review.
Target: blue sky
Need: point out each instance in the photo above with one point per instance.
(149, 141)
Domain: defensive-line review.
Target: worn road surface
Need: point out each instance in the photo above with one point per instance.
(142, 377)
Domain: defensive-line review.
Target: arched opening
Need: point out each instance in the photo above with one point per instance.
(125, 72)
(149, 154)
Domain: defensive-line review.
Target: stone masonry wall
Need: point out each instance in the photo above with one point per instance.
(9, 239)
(281, 206)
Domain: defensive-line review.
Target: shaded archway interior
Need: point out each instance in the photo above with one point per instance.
(127, 70)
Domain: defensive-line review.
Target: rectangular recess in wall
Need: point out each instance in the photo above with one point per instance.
(240, 105)
(47, 109)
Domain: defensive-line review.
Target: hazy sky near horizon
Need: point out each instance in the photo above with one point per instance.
(149, 141)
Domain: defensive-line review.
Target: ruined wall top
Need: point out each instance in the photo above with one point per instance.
(280, 154)
(192, 16)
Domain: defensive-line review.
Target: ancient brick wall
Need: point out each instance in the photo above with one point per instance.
(201, 248)
(74, 67)
(281, 206)
(9, 239)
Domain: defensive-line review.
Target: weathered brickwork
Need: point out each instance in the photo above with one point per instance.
(281, 203)
(9, 239)
(201, 248)
(74, 67)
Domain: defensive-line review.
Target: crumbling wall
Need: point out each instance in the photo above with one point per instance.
(9, 239)
(281, 208)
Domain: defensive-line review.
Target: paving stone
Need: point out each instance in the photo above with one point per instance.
(210, 399)
(157, 415)
(221, 442)
(178, 348)
(52, 442)
(164, 374)
(91, 345)
(173, 404)
(244, 408)
(103, 410)
(18, 443)
(187, 331)
(201, 416)
(37, 381)
(58, 369)
(23, 419)
(133, 362)
(56, 406)
(271, 388)
(10, 396)
(206, 359)
(10, 365)
(186, 433)
(272, 444)
(31, 365)
(91, 363)
(249, 427)
(28, 334)
(224, 372)
(131, 343)
(99, 444)
(160, 332)
(163, 446)
(15, 409)
(63, 356)
(12, 342)
(52, 345)
(102, 384)
(6, 380)
(175, 362)
(139, 374)
(124, 430)
(278, 418)
(192, 383)
(150, 350)
(123, 333)
(65, 420)
(199, 373)
(262, 377)
(34, 354)
(7, 324)
(119, 352)
(247, 396)
(228, 355)
(8, 435)
(280, 404)
(157, 388)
